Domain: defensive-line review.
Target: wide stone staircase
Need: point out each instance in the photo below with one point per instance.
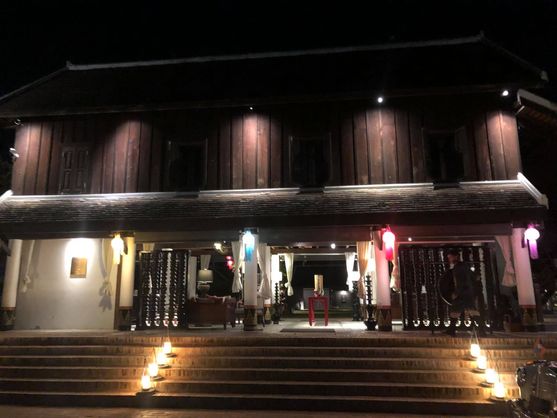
(398, 373)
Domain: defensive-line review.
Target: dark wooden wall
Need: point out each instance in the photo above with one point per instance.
(249, 149)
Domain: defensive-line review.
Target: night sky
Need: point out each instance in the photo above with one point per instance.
(37, 37)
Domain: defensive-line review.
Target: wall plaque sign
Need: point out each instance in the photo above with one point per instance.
(79, 268)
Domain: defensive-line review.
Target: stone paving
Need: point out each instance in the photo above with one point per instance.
(42, 412)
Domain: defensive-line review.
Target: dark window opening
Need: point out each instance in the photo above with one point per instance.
(310, 161)
(187, 166)
(75, 170)
(444, 158)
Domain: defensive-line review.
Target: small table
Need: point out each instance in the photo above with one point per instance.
(311, 308)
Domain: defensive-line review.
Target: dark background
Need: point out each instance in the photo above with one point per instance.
(37, 37)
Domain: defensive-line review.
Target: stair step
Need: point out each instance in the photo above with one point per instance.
(389, 389)
(329, 375)
(239, 340)
(374, 352)
(400, 405)
(267, 362)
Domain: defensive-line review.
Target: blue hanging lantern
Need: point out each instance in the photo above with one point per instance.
(249, 245)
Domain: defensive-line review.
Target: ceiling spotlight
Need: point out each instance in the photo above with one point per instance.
(251, 108)
(410, 239)
(218, 246)
(333, 245)
(505, 93)
(380, 99)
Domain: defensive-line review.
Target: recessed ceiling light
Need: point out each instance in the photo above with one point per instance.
(333, 245)
(380, 99)
(505, 93)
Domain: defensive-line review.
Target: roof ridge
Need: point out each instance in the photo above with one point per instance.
(281, 54)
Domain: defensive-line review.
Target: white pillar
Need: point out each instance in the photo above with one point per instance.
(383, 280)
(11, 280)
(128, 275)
(127, 278)
(250, 289)
(524, 283)
(383, 290)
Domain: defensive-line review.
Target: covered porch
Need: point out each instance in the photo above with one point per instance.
(485, 220)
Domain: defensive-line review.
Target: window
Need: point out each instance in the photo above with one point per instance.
(443, 157)
(75, 170)
(310, 160)
(186, 165)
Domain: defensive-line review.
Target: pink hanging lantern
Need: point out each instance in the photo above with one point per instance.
(389, 244)
(531, 236)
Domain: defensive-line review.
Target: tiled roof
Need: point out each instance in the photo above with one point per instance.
(478, 202)
(395, 69)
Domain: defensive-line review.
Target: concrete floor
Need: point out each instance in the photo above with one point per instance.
(299, 327)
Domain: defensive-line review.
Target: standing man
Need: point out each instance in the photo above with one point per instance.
(460, 283)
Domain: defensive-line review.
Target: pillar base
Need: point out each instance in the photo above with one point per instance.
(124, 318)
(267, 315)
(384, 319)
(7, 319)
(250, 319)
(529, 318)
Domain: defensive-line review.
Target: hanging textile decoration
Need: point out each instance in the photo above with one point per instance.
(364, 255)
(531, 236)
(351, 275)
(289, 264)
(265, 287)
(26, 274)
(249, 245)
(237, 256)
(388, 244)
(509, 275)
(117, 245)
(395, 274)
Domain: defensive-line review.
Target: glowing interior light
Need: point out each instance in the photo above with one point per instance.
(474, 350)
(481, 363)
(153, 369)
(333, 245)
(491, 376)
(218, 246)
(505, 93)
(499, 390)
(167, 347)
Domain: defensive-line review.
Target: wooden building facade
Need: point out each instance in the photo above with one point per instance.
(324, 145)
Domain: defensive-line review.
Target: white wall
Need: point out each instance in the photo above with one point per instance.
(53, 300)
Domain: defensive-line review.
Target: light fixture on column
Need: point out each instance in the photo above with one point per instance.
(117, 245)
(388, 243)
(531, 236)
(249, 243)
